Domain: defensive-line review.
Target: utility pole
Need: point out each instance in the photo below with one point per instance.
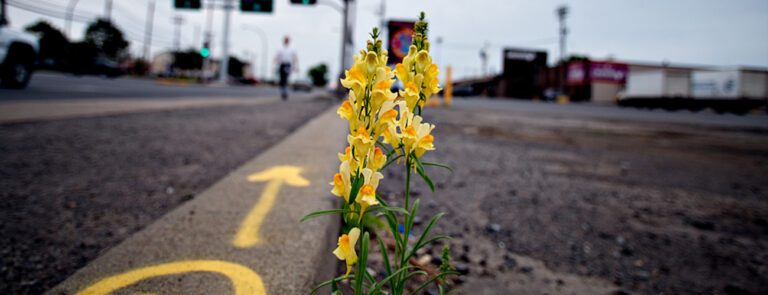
(148, 31)
(224, 69)
(108, 10)
(207, 41)
(177, 21)
(263, 37)
(344, 42)
(70, 11)
(562, 12)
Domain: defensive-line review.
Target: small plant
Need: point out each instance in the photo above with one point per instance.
(385, 129)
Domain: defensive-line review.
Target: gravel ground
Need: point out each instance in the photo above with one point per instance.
(74, 188)
(569, 205)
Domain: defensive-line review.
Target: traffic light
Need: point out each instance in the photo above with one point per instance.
(187, 4)
(264, 6)
(205, 52)
(304, 2)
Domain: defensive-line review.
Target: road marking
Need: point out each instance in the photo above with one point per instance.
(248, 234)
(244, 280)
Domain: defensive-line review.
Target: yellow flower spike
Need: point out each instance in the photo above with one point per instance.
(346, 249)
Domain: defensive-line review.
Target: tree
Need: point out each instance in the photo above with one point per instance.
(106, 38)
(187, 60)
(317, 73)
(53, 44)
(235, 67)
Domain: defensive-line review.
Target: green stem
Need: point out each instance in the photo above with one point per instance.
(408, 169)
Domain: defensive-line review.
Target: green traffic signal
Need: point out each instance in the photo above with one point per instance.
(304, 2)
(187, 4)
(256, 6)
(205, 52)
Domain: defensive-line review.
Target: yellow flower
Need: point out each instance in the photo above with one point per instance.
(355, 80)
(361, 142)
(416, 137)
(341, 183)
(381, 93)
(423, 61)
(377, 159)
(411, 94)
(346, 249)
(371, 61)
(366, 197)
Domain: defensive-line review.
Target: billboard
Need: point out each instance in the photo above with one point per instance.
(400, 33)
(522, 76)
(608, 72)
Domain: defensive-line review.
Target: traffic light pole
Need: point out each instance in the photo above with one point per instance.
(224, 69)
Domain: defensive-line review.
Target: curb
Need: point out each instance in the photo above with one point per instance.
(242, 235)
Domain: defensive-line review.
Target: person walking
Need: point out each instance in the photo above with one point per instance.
(285, 61)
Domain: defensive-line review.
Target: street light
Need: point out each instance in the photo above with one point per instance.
(263, 37)
(70, 11)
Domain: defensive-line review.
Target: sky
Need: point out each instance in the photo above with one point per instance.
(687, 32)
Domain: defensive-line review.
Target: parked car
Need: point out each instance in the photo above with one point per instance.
(18, 52)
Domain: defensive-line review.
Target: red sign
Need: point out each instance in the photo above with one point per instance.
(400, 33)
(580, 73)
(608, 72)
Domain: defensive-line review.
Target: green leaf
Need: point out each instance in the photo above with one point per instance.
(438, 165)
(420, 170)
(390, 162)
(387, 208)
(321, 213)
(432, 280)
(356, 184)
(426, 179)
(384, 256)
(377, 286)
(326, 283)
(453, 291)
(361, 263)
(424, 234)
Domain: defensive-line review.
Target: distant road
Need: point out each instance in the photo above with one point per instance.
(49, 85)
(612, 112)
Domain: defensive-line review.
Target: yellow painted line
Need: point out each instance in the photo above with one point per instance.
(244, 280)
(248, 234)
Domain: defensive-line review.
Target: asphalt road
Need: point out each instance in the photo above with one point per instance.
(49, 85)
(612, 112)
(548, 202)
(74, 188)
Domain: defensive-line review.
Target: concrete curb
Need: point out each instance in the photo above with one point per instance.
(191, 250)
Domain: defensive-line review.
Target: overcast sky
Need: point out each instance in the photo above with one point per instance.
(700, 32)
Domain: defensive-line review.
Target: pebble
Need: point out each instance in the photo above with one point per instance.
(462, 268)
(526, 269)
(494, 227)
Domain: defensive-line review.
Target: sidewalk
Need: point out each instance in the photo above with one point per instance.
(240, 236)
(37, 110)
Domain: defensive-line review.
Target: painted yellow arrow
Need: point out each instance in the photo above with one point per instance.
(244, 280)
(248, 234)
